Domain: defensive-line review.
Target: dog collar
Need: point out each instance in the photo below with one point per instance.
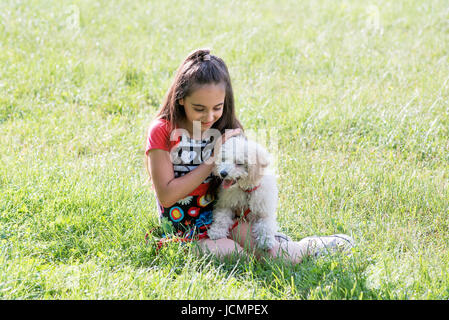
(251, 190)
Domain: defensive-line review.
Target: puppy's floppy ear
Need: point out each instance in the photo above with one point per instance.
(257, 155)
(258, 159)
(263, 158)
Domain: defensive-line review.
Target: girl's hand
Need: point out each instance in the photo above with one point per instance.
(228, 134)
(170, 189)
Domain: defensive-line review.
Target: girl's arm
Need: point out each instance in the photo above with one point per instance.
(168, 188)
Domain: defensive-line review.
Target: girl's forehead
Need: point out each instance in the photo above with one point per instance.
(208, 92)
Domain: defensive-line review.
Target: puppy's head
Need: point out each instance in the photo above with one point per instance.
(241, 162)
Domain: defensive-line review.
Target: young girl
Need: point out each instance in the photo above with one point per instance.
(179, 158)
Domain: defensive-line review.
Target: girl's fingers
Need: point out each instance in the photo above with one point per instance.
(224, 137)
(230, 133)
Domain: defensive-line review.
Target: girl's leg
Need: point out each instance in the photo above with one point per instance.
(220, 247)
(293, 251)
(289, 250)
(314, 246)
(242, 234)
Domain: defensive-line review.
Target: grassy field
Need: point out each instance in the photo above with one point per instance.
(356, 91)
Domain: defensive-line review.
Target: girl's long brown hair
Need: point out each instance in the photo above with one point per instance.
(199, 68)
(194, 72)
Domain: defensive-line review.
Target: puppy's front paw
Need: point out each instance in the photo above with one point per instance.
(215, 233)
(266, 242)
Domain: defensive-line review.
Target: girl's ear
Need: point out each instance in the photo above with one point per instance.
(181, 102)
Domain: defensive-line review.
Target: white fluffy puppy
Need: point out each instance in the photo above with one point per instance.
(247, 187)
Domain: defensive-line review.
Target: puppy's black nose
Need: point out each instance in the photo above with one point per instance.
(223, 173)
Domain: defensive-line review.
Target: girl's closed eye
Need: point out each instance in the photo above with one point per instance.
(202, 110)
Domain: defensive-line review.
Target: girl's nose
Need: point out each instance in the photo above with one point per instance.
(210, 117)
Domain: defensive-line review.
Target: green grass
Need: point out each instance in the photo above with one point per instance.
(357, 93)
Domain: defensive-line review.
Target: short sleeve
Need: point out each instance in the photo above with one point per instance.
(158, 136)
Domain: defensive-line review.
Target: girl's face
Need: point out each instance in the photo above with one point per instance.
(204, 105)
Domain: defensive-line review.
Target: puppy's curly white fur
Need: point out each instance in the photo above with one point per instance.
(247, 184)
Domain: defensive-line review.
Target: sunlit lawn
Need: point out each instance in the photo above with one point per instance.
(355, 92)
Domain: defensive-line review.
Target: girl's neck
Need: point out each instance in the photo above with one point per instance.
(183, 124)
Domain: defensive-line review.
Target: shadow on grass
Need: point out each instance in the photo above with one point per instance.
(330, 277)
(336, 276)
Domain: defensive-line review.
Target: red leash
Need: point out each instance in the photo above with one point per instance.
(174, 239)
(163, 241)
(247, 211)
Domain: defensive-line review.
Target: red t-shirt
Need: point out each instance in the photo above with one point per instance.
(193, 214)
(159, 136)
